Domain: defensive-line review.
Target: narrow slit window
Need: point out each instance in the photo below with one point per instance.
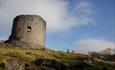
(29, 28)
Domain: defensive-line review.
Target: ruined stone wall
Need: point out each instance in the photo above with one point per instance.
(29, 29)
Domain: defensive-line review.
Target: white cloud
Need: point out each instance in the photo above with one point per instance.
(85, 7)
(55, 12)
(84, 11)
(86, 45)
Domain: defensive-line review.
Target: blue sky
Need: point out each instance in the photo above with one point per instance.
(80, 25)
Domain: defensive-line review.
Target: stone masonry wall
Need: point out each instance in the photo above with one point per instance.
(29, 29)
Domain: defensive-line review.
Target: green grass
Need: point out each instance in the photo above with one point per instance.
(30, 56)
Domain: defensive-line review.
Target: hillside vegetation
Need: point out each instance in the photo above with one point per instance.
(16, 58)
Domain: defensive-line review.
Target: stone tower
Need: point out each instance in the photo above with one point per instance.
(29, 30)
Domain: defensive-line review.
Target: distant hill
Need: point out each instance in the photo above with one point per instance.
(16, 58)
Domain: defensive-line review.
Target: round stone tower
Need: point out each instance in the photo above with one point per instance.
(29, 30)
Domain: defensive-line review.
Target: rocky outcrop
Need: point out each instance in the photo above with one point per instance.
(13, 65)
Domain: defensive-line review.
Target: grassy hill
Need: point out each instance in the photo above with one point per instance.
(16, 58)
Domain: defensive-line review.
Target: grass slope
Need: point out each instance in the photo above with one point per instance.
(39, 59)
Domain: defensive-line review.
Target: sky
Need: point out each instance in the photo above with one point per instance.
(80, 25)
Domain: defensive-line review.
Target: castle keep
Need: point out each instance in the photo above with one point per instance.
(29, 30)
